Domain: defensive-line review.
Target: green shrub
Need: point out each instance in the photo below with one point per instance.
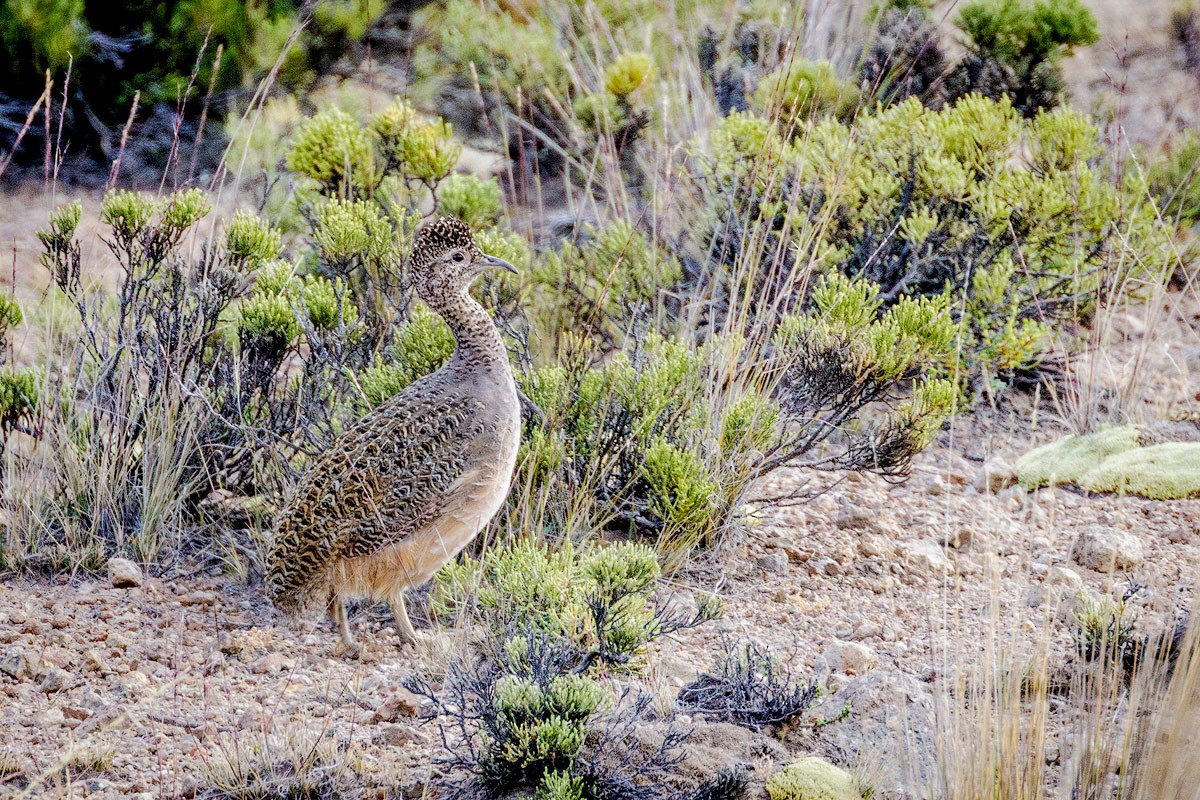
(251, 242)
(929, 203)
(627, 73)
(422, 345)
(597, 286)
(18, 396)
(334, 150)
(1176, 180)
(1016, 49)
(474, 200)
(800, 90)
(812, 778)
(595, 603)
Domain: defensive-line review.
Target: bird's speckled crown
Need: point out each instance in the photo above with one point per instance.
(435, 238)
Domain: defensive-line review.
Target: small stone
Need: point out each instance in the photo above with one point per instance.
(55, 679)
(96, 661)
(47, 717)
(867, 630)
(960, 538)
(994, 476)
(824, 566)
(231, 644)
(16, 664)
(391, 735)
(197, 598)
(271, 663)
(855, 518)
(928, 556)
(773, 562)
(75, 712)
(124, 574)
(874, 547)
(1106, 549)
(1062, 576)
(399, 703)
(851, 658)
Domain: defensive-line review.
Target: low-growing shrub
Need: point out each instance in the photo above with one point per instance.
(933, 203)
(750, 686)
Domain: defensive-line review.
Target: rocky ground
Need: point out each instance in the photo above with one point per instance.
(885, 592)
(168, 685)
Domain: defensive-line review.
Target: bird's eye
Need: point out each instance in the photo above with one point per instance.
(459, 258)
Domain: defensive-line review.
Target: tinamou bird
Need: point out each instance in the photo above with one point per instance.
(409, 485)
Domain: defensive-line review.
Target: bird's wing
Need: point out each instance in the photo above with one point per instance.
(383, 478)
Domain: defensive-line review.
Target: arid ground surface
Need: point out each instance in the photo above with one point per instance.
(885, 591)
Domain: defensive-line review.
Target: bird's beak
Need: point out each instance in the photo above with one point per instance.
(491, 262)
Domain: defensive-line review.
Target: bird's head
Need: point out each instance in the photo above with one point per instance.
(445, 259)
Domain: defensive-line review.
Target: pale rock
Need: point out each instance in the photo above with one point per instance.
(856, 518)
(399, 703)
(994, 476)
(47, 717)
(55, 679)
(124, 574)
(851, 658)
(1062, 576)
(773, 562)
(1106, 549)
(197, 598)
(928, 556)
(874, 547)
(271, 664)
(392, 735)
(960, 538)
(19, 665)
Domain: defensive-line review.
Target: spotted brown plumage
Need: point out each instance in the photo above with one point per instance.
(405, 488)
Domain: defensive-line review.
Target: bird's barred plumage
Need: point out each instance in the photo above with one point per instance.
(407, 486)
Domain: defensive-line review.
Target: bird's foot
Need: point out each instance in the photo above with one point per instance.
(349, 650)
(419, 641)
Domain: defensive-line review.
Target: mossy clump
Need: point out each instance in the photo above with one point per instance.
(1168, 471)
(800, 90)
(252, 242)
(1115, 460)
(333, 149)
(812, 778)
(474, 200)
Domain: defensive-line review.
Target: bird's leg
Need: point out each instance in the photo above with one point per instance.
(407, 634)
(337, 612)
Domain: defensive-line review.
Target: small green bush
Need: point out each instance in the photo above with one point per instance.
(812, 778)
(18, 396)
(474, 200)
(627, 73)
(334, 150)
(251, 242)
(800, 90)
(930, 203)
(592, 287)
(597, 602)
(1175, 179)
(1017, 47)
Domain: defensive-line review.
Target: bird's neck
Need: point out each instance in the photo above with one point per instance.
(477, 342)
